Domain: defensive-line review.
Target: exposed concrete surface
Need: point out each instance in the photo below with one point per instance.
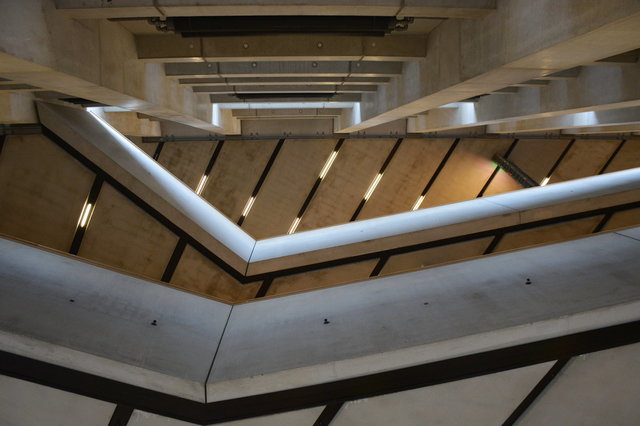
(26, 404)
(388, 314)
(142, 418)
(292, 418)
(593, 389)
(485, 400)
(54, 299)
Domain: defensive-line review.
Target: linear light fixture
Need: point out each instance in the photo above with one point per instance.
(294, 225)
(545, 181)
(201, 184)
(85, 216)
(418, 202)
(247, 207)
(328, 164)
(373, 185)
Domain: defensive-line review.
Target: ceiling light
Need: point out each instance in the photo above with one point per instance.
(418, 202)
(294, 225)
(328, 164)
(372, 187)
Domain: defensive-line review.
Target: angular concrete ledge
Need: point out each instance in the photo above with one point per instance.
(72, 313)
(147, 179)
(283, 343)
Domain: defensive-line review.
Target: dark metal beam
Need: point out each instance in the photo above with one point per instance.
(328, 414)
(390, 156)
(263, 176)
(612, 157)
(91, 200)
(535, 392)
(121, 415)
(372, 385)
(443, 162)
(497, 169)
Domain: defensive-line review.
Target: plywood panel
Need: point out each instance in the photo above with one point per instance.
(197, 273)
(322, 278)
(187, 160)
(435, 256)
(466, 171)
(585, 158)
(623, 219)
(484, 400)
(548, 234)
(42, 191)
(234, 176)
(533, 156)
(411, 168)
(627, 158)
(287, 186)
(344, 187)
(121, 234)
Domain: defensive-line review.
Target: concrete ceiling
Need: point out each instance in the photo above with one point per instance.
(281, 104)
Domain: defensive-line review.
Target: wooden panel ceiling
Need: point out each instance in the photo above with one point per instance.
(122, 235)
(236, 173)
(355, 167)
(287, 185)
(466, 172)
(187, 160)
(410, 169)
(42, 191)
(585, 158)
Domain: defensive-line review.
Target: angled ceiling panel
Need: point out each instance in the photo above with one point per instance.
(412, 166)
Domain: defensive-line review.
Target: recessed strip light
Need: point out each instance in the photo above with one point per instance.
(201, 184)
(545, 181)
(328, 164)
(85, 216)
(247, 207)
(294, 226)
(373, 185)
(419, 201)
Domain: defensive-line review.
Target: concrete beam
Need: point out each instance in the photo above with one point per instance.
(101, 66)
(94, 9)
(612, 117)
(284, 69)
(599, 130)
(17, 108)
(243, 81)
(595, 89)
(569, 74)
(320, 47)
(317, 88)
(128, 123)
(267, 114)
(471, 58)
(330, 98)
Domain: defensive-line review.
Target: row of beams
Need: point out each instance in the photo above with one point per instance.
(173, 48)
(471, 58)
(102, 66)
(244, 81)
(94, 9)
(611, 117)
(283, 69)
(300, 88)
(595, 89)
(261, 114)
(327, 98)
